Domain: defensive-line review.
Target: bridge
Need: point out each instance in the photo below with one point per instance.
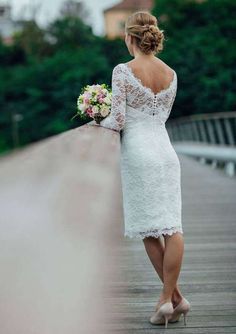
(65, 264)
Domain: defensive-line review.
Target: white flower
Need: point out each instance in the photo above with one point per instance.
(107, 100)
(104, 111)
(82, 107)
(90, 89)
(95, 109)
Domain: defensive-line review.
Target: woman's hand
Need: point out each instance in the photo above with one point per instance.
(93, 123)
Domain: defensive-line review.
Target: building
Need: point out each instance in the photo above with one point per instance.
(73, 8)
(116, 16)
(7, 25)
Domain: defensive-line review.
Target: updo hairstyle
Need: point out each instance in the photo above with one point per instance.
(147, 35)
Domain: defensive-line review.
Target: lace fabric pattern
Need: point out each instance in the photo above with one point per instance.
(116, 119)
(150, 168)
(154, 233)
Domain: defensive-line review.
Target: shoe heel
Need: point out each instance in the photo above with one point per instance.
(166, 321)
(185, 318)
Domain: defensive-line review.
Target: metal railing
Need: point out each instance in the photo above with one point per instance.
(209, 137)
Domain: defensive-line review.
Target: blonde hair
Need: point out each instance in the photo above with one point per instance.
(143, 27)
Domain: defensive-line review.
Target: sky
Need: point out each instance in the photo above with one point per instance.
(50, 8)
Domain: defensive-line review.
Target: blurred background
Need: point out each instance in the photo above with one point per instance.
(50, 50)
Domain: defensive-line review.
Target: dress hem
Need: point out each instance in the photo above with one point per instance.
(153, 233)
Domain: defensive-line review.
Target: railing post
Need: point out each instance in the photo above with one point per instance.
(196, 131)
(211, 131)
(202, 131)
(230, 168)
(219, 131)
(229, 132)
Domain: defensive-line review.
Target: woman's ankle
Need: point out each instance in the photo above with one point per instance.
(164, 299)
(176, 298)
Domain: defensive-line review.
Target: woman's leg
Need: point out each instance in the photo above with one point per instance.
(172, 260)
(155, 249)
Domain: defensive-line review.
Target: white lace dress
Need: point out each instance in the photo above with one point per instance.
(150, 168)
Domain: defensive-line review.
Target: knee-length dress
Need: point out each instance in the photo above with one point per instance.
(149, 165)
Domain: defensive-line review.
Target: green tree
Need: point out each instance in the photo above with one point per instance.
(11, 55)
(32, 40)
(70, 32)
(200, 46)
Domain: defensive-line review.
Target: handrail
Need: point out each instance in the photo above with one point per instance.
(61, 220)
(204, 116)
(215, 128)
(209, 137)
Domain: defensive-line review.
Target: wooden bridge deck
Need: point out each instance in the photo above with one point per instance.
(208, 275)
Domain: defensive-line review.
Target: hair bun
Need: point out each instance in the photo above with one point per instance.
(146, 27)
(149, 27)
(143, 27)
(153, 29)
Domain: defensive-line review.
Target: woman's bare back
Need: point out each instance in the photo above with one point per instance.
(154, 74)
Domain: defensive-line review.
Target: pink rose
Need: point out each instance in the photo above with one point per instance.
(89, 111)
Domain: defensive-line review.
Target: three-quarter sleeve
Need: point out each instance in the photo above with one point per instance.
(173, 92)
(116, 119)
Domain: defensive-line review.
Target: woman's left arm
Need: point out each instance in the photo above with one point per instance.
(116, 119)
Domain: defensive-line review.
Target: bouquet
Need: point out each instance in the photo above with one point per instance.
(95, 102)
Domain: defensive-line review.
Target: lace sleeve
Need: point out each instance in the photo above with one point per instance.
(116, 119)
(171, 104)
(174, 93)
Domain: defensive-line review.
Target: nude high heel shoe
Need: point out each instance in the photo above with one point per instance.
(162, 315)
(182, 307)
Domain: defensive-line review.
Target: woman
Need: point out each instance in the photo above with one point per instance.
(144, 90)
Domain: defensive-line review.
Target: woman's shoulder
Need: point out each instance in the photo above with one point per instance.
(119, 66)
(119, 69)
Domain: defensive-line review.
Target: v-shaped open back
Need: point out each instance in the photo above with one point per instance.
(133, 100)
(148, 88)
